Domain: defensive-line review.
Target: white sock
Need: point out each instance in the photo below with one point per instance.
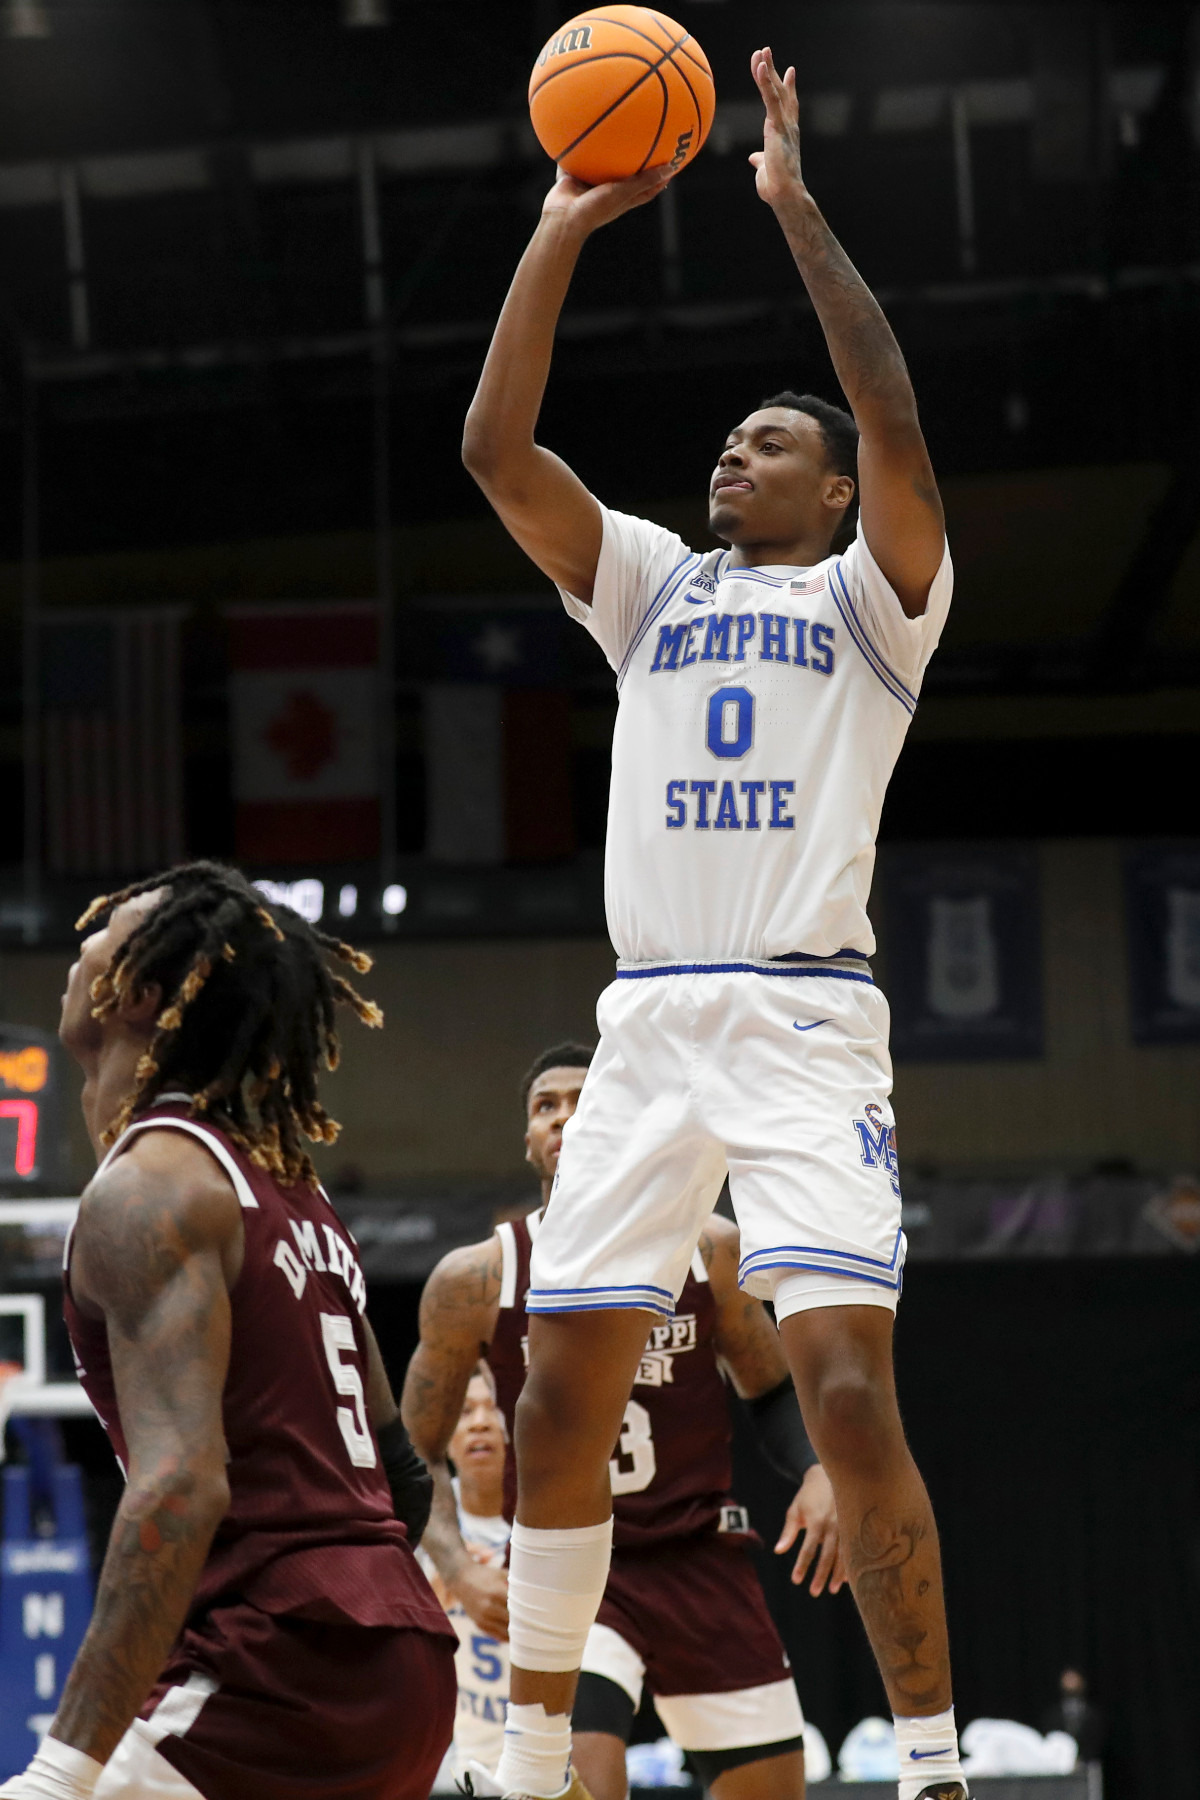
(536, 1758)
(928, 1752)
(555, 1586)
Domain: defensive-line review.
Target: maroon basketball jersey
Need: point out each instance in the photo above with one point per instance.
(671, 1467)
(310, 1529)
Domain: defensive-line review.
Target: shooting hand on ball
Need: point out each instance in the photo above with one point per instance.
(587, 208)
(777, 164)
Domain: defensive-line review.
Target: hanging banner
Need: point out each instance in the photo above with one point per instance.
(964, 960)
(112, 739)
(1162, 919)
(304, 700)
(498, 773)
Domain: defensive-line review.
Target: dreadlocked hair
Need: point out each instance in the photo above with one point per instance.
(250, 1010)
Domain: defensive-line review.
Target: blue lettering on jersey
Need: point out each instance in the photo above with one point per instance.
(800, 659)
(716, 637)
(729, 637)
(728, 814)
(704, 789)
(752, 791)
(781, 820)
(774, 637)
(822, 649)
(670, 642)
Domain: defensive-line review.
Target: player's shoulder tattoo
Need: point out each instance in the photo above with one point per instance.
(136, 1228)
(465, 1283)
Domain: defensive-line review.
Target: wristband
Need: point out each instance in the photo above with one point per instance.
(58, 1772)
(407, 1477)
(779, 1429)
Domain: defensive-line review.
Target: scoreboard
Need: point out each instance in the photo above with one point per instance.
(32, 1141)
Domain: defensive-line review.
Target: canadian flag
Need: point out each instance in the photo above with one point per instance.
(304, 693)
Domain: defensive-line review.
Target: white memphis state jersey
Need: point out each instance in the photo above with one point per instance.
(761, 714)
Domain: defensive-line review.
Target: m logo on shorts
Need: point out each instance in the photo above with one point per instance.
(877, 1140)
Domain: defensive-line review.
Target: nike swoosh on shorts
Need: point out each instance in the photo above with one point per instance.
(797, 1026)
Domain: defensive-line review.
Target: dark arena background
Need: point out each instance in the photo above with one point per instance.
(251, 607)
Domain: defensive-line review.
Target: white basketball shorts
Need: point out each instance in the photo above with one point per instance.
(775, 1072)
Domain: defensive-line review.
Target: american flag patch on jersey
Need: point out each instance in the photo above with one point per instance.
(812, 584)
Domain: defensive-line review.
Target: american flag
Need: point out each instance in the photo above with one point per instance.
(112, 741)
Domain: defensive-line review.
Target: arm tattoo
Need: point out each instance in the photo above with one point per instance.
(153, 1264)
(457, 1321)
(893, 1564)
(869, 362)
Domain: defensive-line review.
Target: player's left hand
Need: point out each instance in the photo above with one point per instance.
(813, 1512)
(777, 164)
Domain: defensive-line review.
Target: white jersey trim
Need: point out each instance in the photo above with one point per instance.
(241, 1186)
(659, 604)
(875, 662)
(508, 1265)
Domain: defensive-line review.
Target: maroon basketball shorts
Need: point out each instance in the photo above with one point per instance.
(255, 1707)
(687, 1619)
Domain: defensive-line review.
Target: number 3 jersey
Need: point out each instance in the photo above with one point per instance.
(310, 1531)
(671, 1468)
(761, 714)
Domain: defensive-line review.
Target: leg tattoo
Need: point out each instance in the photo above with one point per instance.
(893, 1571)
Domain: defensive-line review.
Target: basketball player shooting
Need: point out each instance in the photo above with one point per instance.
(765, 690)
(261, 1627)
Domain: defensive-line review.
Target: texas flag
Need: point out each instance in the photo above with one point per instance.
(304, 693)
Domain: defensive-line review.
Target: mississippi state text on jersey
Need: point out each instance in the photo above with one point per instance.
(671, 1468)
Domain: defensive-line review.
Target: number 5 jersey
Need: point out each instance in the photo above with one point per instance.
(310, 1532)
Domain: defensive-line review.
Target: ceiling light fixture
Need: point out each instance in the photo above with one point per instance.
(365, 12)
(26, 19)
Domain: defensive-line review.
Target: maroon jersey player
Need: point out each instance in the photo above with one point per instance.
(261, 1626)
(683, 1614)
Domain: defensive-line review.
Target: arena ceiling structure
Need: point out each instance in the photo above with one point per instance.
(251, 252)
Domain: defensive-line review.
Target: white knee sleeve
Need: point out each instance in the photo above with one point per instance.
(555, 1586)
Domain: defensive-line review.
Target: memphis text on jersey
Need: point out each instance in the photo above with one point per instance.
(710, 805)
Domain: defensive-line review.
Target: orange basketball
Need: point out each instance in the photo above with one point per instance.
(618, 90)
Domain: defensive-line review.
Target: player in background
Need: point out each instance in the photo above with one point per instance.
(259, 1608)
(765, 691)
(478, 1450)
(683, 1612)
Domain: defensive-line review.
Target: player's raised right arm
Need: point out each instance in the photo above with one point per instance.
(542, 502)
(458, 1317)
